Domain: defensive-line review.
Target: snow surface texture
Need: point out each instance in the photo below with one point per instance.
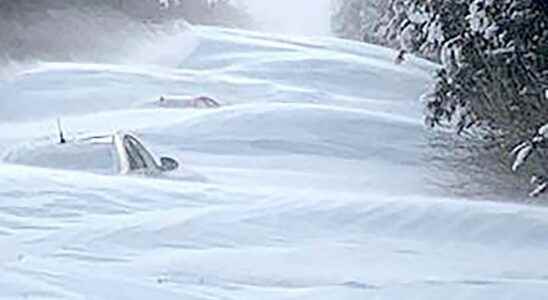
(309, 183)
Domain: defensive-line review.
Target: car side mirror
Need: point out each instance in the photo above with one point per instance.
(168, 164)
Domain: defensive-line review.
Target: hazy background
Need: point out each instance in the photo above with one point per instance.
(300, 17)
(132, 31)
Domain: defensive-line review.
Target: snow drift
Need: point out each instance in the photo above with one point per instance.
(312, 184)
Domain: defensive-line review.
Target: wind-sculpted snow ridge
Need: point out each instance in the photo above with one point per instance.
(319, 134)
(311, 181)
(80, 236)
(232, 66)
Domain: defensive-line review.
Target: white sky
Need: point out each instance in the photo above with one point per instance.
(301, 17)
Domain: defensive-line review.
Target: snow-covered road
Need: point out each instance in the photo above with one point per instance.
(311, 182)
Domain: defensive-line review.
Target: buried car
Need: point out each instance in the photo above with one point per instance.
(119, 153)
(187, 102)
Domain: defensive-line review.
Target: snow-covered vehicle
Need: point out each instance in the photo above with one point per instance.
(183, 101)
(119, 153)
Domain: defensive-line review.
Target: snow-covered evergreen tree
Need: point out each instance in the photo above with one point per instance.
(495, 62)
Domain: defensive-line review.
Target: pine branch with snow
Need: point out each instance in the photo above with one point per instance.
(523, 151)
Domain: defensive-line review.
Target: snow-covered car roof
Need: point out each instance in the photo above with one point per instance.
(121, 153)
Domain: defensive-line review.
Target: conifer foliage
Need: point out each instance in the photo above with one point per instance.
(494, 54)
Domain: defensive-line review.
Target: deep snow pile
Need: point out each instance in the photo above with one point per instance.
(309, 183)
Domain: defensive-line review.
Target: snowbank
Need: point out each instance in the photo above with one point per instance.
(312, 184)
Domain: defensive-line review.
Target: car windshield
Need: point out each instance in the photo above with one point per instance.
(138, 156)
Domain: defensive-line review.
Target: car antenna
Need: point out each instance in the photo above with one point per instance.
(61, 136)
